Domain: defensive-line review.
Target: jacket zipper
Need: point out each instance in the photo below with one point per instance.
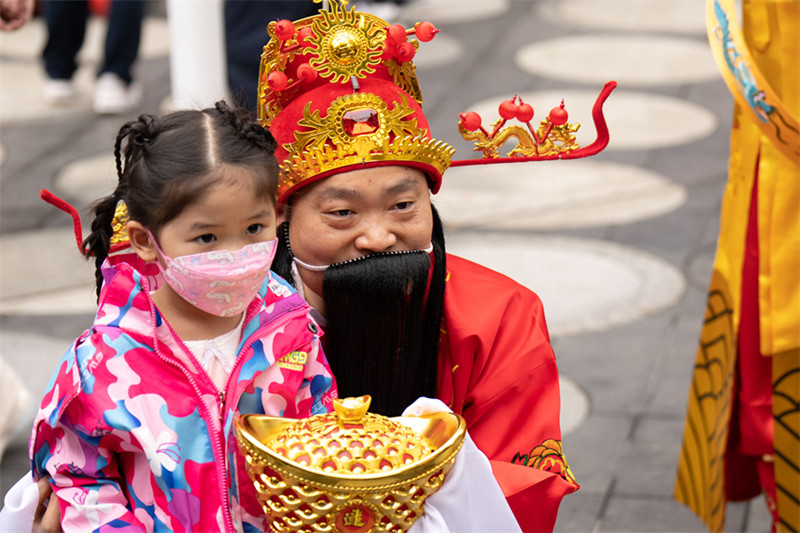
(287, 317)
(216, 435)
(218, 439)
(219, 456)
(257, 334)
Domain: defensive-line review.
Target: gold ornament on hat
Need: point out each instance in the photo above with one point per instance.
(119, 224)
(404, 75)
(350, 470)
(553, 138)
(345, 43)
(360, 119)
(336, 45)
(554, 135)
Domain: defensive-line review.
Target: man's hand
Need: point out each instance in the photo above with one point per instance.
(48, 515)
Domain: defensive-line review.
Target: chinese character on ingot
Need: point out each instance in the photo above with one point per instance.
(354, 518)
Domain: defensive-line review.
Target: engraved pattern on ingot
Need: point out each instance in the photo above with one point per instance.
(374, 445)
(303, 509)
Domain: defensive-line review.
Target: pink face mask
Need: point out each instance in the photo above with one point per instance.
(221, 282)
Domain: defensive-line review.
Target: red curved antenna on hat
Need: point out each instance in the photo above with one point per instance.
(65, 206)
(52, 199)
(597, 146)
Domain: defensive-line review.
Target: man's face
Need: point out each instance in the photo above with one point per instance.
(357, 213)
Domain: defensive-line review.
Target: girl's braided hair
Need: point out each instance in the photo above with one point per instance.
(165, 164)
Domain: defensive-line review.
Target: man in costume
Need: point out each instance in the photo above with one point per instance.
(362, 242)
(742, 434)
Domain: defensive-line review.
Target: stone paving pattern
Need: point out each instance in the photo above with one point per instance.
(620, 247)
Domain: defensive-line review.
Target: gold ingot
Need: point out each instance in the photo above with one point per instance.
(351, 409)
(348, 470)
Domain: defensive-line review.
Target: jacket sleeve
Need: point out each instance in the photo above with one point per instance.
(319, 385)
(525, 448)
(84, 472)
(511, 398)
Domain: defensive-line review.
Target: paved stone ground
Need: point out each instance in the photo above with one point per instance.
(620, 247)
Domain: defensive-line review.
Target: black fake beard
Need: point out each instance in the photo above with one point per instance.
(399, 364)
(375, 338)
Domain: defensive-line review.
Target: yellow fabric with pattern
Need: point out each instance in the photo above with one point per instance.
(767, 50)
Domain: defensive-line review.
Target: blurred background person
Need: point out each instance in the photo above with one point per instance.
(245, 36)
(115, 90)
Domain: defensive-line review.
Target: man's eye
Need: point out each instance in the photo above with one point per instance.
(253, 229)
(402, 206)
(208, 238)
(340, 212)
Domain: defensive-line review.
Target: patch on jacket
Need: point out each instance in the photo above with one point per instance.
(293, 361)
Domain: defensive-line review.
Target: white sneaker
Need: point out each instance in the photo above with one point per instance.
(59, 92)
(112, 96)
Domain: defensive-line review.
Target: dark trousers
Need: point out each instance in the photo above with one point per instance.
(66, 26)
(245, 36)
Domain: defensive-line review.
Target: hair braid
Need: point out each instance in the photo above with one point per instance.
(138, 134)
(98, 242)
(242, 121)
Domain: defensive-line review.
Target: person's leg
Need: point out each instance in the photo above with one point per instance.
(115, 91)
(66, 27)
(123, 37)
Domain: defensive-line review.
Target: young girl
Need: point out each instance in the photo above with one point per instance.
(135, 430)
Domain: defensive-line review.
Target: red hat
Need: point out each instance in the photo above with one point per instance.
(339, 92)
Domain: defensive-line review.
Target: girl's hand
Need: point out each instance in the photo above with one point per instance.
(48, 514)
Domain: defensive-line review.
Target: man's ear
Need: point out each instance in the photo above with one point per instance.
(141, 242)
(283, 213)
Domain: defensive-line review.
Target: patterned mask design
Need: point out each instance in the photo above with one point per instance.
(219, 282)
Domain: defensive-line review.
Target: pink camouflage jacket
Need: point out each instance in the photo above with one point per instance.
(135, 435)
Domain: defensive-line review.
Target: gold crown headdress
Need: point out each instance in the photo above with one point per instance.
(339, 91)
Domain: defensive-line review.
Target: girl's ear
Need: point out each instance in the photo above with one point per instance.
(141, 242)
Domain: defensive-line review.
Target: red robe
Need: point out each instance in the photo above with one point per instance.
(498, 370)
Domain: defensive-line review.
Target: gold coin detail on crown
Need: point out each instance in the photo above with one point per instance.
(344, 45)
